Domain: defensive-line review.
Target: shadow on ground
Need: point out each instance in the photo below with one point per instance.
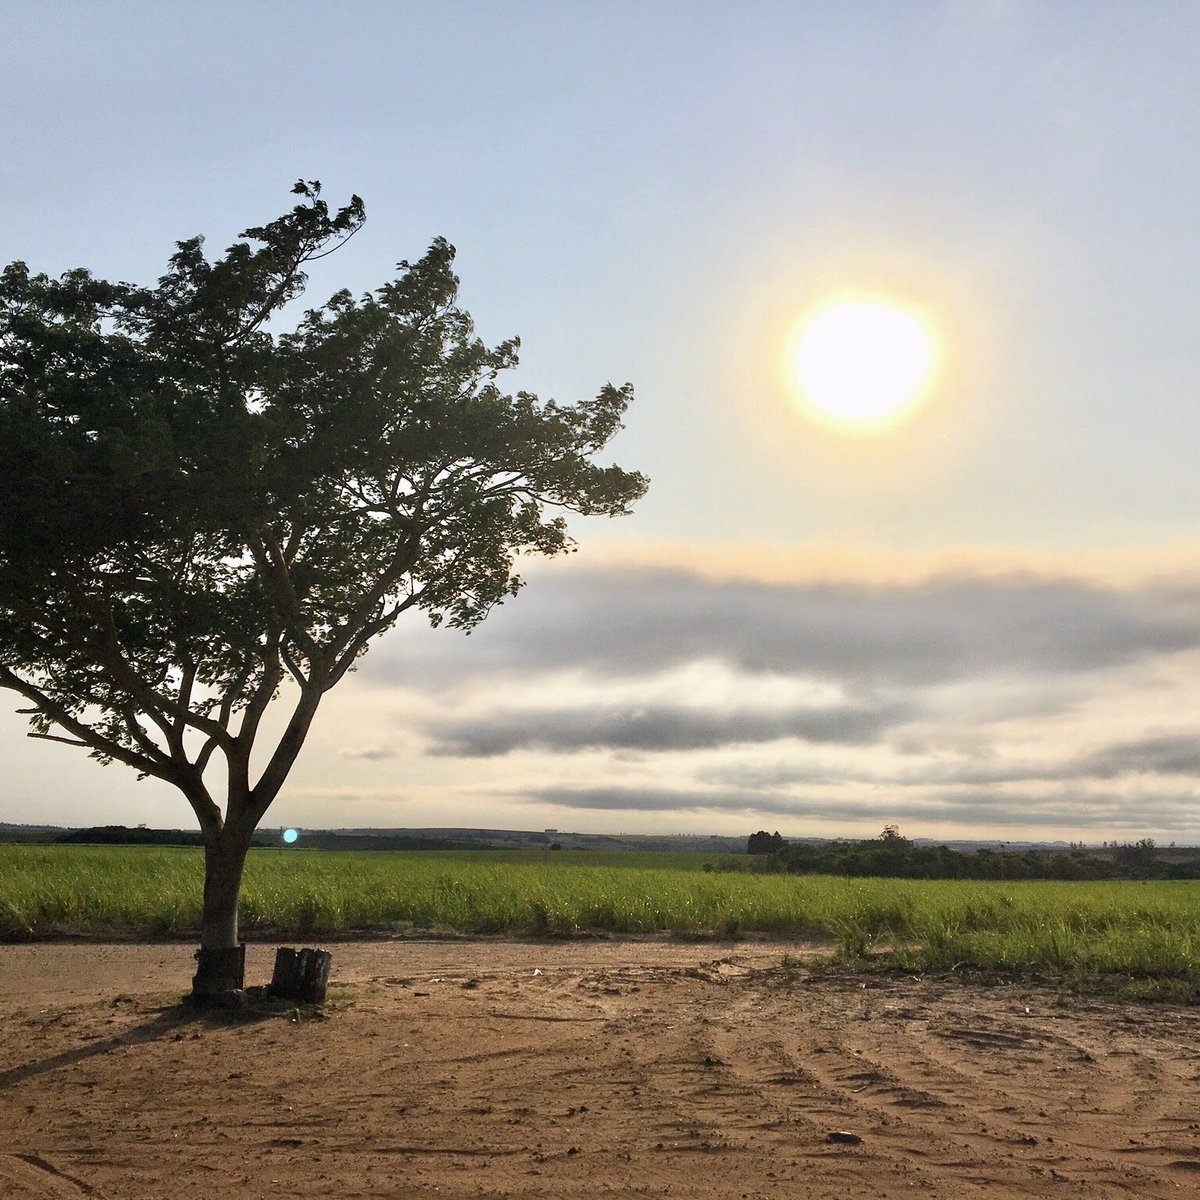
(169, 1022)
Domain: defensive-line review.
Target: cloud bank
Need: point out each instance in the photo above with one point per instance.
(641, 621)
(658, 728)
(963, 702)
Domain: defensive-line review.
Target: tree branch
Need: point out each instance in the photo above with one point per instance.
(205, 756)
(59, 715)
(293, 667)
(402, 561)
(272, 778)
(384, 621)
(149, 748)
(50, 737)
(261, 697)
(186, 683)
(162, 710)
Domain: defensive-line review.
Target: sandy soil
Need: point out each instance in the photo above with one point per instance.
(462, 1069)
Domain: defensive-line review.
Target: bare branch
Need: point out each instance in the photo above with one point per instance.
(334, 248)
(271, 302)
(232, 695)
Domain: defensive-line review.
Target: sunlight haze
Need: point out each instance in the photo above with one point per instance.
(863, 365)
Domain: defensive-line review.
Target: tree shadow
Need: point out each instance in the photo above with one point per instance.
(168, 1022)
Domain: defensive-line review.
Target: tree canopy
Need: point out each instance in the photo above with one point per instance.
(201, 507)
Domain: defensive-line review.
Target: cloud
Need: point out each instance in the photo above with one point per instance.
(659, 728)
(980, 810)
(369, 754)
(1173, 754)
(975, 701)
(1163, 754)
(641, 621)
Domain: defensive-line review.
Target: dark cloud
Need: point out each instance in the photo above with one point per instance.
(1165, 754)
(631, 799)
(767, 777)
(1102, 813)
(770, 776)
(658, 728)
(1168, 755)
(639, 622)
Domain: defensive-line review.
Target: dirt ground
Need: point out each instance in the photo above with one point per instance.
(508, 1069)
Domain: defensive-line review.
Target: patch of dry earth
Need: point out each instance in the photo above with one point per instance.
(509, 1069)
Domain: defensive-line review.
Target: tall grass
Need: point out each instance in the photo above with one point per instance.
(1138, 930)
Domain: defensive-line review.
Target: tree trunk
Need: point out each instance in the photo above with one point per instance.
(221, 957)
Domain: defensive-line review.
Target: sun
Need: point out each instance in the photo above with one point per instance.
(864, 365)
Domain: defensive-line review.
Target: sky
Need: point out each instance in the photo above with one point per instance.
(982, 622)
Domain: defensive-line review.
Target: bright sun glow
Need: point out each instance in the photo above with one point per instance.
(863, 366)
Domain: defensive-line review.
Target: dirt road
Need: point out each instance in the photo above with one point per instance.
(583, 1069)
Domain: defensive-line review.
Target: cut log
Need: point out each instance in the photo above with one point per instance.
(285, 979)
(301, 975)
(219, 972)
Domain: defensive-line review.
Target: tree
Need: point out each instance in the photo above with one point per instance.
(763, 842)
(203, 511)
(1137, 858)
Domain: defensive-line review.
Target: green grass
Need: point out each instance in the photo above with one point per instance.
(1127, 931)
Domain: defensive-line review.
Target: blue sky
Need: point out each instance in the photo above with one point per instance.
(656, 192)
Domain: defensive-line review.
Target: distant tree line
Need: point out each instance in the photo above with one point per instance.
(122, 835)
(316, 839)
(892, 856)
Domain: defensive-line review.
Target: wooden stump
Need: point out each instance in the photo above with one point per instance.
(301, 975)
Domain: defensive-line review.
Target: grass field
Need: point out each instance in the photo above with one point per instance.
(1147, 934)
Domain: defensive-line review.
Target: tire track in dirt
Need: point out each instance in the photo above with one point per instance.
(991, 1090)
